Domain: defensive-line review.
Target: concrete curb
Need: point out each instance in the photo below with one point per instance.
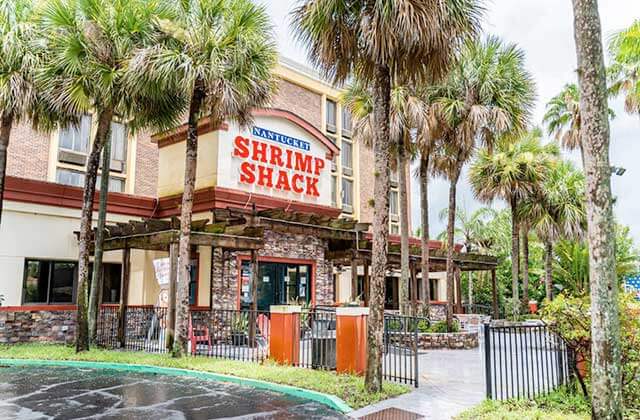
(329, 400)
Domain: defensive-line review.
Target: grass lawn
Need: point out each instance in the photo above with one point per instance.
(349, 388)
(558, 405)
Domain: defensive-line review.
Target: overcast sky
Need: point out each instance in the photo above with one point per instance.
(544, 30)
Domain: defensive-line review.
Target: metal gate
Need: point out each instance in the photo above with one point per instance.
(400, 356)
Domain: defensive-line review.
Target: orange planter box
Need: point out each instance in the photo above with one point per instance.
(284, 335)
(351, 340)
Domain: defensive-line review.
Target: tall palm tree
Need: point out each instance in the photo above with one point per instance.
(563, 118)
(556, 211)
(407, 111)
(220, 56)
(87, 44)
(512, 172)
(20, 59)
(606, 369)
(487, 94)
(624, 72)
(384, 42)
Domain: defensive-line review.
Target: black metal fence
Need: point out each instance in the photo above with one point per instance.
(476, 308)
(145, 329)
(107, 326)
(524, 361)
(400, 357)
(318, 338)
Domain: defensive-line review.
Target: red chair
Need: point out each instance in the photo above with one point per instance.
(199, 335)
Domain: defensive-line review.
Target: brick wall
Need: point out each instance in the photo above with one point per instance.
(366, 184)
(300, 101)
(37, 326)
(28, 154)
(146, 175)
(279, 245)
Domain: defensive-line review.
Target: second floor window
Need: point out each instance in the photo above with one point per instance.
(346, 123)
(346, 151)
(334, 191)
(118, 142)
(393, 203)
(75, 137)
(347, 195)
(331, 112)
(69, 177)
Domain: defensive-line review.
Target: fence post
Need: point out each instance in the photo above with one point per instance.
(351, 340)
(284, 334)
(487, 359)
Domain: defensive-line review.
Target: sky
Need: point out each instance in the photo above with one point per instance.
(544, 30)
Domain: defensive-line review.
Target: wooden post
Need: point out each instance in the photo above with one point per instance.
(366, 283)
(124, 296)
(211, 271)
(414, 288)
(458, 305)
(173, 278)
(494, 294)
(354, 278)
(254, 298)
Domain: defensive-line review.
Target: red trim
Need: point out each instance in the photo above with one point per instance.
(58, 195)
(206, 199)
(395, 239)
(36, 308)
(298, 261)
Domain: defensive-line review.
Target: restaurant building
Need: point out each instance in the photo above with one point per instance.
(294, 187)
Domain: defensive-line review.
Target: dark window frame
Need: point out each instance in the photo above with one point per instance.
(51, 263)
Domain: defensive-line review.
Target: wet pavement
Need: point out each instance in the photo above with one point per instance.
(75, 393)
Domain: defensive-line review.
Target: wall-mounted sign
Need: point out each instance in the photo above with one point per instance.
(275, 157)
(632, 285)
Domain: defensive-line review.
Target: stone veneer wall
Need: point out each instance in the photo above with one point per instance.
(277, 245)
(454, 341)
(54, 326)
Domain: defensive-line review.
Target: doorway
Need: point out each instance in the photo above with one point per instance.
(278, 284)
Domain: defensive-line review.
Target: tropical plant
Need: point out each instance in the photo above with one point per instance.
(488, 93)
(87, 45)
(512, 172)
(556, 211)
(606, 380)
(624, 72)
(219, 55)
(383, 42)
(408, 110)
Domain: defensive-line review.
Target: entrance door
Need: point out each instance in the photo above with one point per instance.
(278, 284)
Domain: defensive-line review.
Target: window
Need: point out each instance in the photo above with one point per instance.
(118, 146)
(334, 164)
(331, 111)
(347, 195)
(193, 280)
(393, 203)
(394, 229)
(347, 157)
(346, 123)
(433, 289)
(112, 278)
(69, 177)
(394, 177)
(49, 281)
(115, 184)
(334, 191)
(76, 137)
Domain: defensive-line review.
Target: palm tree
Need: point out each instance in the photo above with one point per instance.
(606, 369)
(20, 59)
(87, 44)
(563, 118)
(556, 211)
(512, 171)
(407, 112)
(383, 42)
(624, 73)
(220, 56)
(488, 93)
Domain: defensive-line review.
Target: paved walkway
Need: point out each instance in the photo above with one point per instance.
(450, 382)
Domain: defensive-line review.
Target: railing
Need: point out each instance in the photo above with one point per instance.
(400, 358)
(318, 338)
(524, 361)
(475, 308)
(107, 326)
(145, 329)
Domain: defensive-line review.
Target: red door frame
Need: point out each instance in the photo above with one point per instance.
(298, 261)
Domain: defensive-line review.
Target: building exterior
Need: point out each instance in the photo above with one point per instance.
(298, 156)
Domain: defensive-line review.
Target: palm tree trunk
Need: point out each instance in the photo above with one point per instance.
(5, 132)
(405, 273)
(84, 243)
(424, 240)
(606, 372)
(184, 250)
(548, 259)
(515, 253)
(97, 277)
(525, 266)
(375, 325)
(451, 225)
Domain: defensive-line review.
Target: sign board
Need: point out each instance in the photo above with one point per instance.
(275, 157)
(632, 285)
(162, 268)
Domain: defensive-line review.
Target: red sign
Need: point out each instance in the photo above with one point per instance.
(271, 166)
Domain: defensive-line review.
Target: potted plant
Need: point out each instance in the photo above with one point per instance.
(239, 328)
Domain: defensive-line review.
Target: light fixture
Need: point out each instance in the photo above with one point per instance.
(618, 170)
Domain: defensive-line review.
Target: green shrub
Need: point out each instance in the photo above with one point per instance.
(441, 327)
(422, 326)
